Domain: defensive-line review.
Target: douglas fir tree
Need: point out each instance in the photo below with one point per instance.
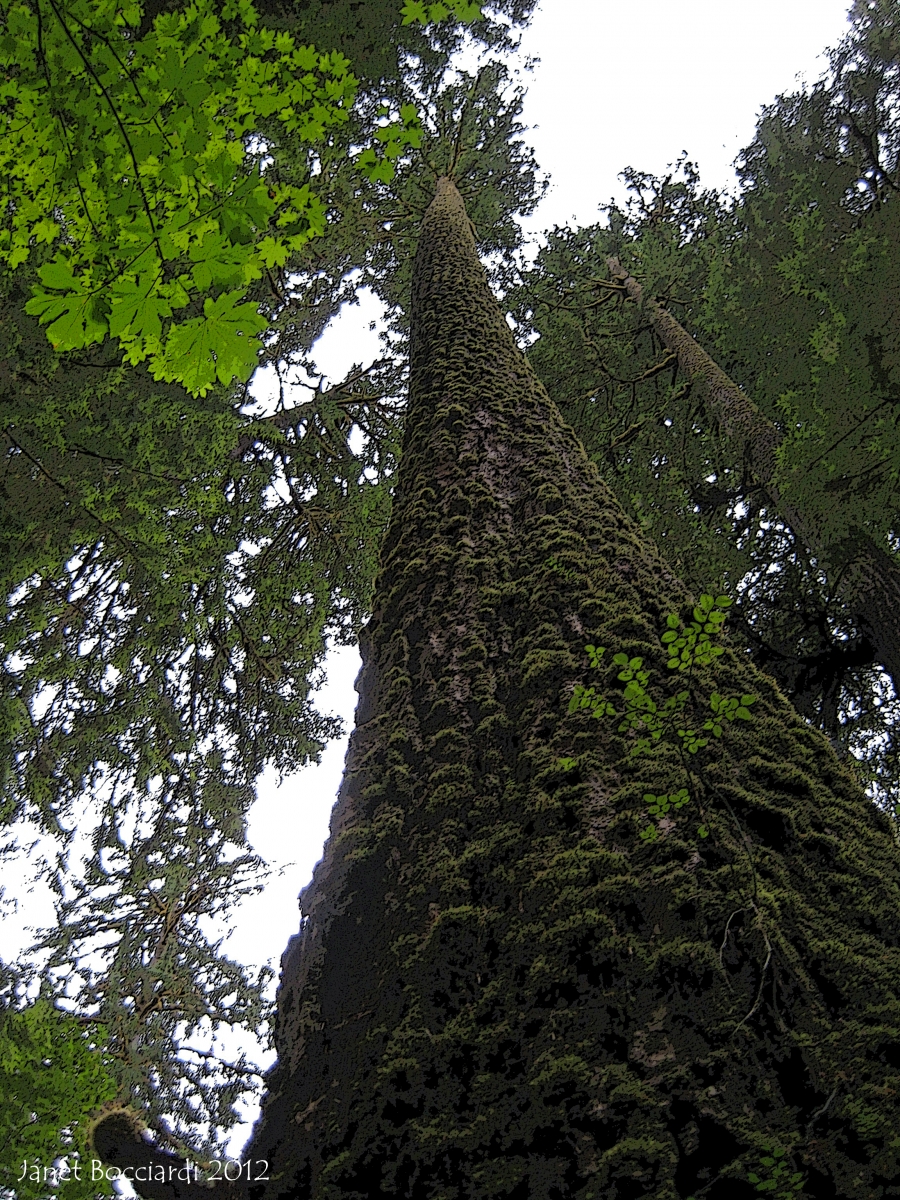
(600, 915)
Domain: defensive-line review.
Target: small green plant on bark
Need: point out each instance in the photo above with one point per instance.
(688, 645)
(775, 1175)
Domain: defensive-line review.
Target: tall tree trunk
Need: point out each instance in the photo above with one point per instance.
(500, 988)
(868, 578)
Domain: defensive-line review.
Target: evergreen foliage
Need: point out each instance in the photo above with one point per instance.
(132, 949)
(52, 1079)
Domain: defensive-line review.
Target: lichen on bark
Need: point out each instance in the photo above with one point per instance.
(499, 989)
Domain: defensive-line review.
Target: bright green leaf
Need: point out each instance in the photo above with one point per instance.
(414, 10)
(218, 345)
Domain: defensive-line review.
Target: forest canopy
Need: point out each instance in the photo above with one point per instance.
(209, 186)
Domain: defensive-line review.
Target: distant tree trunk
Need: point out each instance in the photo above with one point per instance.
(500, 989)
(869, 579)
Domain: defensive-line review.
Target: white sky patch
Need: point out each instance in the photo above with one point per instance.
(635, 84)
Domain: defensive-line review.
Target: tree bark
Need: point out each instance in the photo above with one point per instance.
(500, 988)
(867, 577)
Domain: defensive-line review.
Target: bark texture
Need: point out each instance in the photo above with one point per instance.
(499, 988)
(868, 579)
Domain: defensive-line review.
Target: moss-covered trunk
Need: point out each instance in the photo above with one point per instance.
(500, 989)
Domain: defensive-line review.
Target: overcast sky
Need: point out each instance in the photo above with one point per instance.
(634, 83)
(619, 83)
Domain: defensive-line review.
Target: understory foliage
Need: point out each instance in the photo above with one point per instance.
(52, 1074)
(129, 157)
(137, 153)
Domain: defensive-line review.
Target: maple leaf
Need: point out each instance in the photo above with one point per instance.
(136, 309)
(414, 10)
(76, 319)
(217, 346)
